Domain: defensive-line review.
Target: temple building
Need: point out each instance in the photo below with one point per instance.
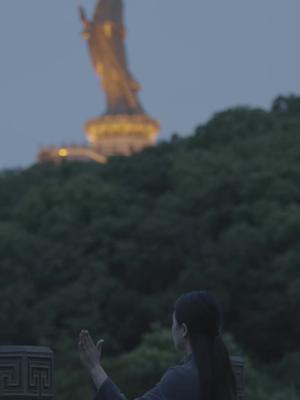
(124, 128)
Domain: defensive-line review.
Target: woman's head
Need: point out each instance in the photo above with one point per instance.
(197, 326)
(195, 314)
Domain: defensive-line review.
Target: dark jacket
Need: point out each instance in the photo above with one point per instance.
(178, 383)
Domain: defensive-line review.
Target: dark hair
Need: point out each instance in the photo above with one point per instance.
(202, 315)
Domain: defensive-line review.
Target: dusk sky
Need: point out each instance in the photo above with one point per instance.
(192, 58)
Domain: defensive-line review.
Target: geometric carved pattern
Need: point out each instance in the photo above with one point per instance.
(39, 375)
(26, 373)
(10, 374)
(238, 369)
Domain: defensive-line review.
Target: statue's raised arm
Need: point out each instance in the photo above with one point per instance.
(82, 15)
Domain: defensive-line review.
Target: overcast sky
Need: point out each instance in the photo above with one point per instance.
(192, 57)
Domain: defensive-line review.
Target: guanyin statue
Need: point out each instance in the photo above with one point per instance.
(124, 124)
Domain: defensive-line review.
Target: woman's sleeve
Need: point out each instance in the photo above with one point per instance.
(170, 387)
(109, 391)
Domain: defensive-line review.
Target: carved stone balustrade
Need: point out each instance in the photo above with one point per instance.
(238, 369)
(26, 373)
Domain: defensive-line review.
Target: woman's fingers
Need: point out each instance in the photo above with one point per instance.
(90, 354)
(82, 338)
(99, 344)
(83, 341)
(89, 340)
(87, 345)
(99, 347)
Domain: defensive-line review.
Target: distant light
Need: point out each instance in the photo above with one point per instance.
(63, 152)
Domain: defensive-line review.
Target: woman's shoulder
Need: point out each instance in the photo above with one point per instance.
(181, 381)
(186, 368)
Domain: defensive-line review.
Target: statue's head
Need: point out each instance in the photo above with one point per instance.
(109, 10)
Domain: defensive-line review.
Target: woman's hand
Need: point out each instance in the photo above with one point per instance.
(90, 354)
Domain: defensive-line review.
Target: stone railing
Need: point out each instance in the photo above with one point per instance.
(238, 369)
(26, 373)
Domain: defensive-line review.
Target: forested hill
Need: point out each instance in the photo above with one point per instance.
(109, 247)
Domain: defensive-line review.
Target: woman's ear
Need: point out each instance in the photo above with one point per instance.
(184, 330)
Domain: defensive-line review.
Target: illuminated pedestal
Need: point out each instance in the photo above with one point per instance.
(122, 134)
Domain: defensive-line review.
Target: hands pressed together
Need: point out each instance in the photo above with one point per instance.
(90, 355)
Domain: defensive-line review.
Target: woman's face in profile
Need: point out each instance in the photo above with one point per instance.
(177, 334)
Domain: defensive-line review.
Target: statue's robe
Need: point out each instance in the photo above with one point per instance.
(105, 36)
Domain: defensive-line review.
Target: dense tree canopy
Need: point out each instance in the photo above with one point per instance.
(110, 247)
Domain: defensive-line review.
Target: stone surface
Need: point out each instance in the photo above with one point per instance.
(26, 373)
(238, 368)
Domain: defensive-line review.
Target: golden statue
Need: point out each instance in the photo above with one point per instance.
(105, 36)
(124, 128)
(124, 117)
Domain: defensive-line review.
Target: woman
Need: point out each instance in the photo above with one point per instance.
(205, 372)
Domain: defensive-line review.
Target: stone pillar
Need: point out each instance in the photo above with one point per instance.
(26, 373)
(238, 369)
